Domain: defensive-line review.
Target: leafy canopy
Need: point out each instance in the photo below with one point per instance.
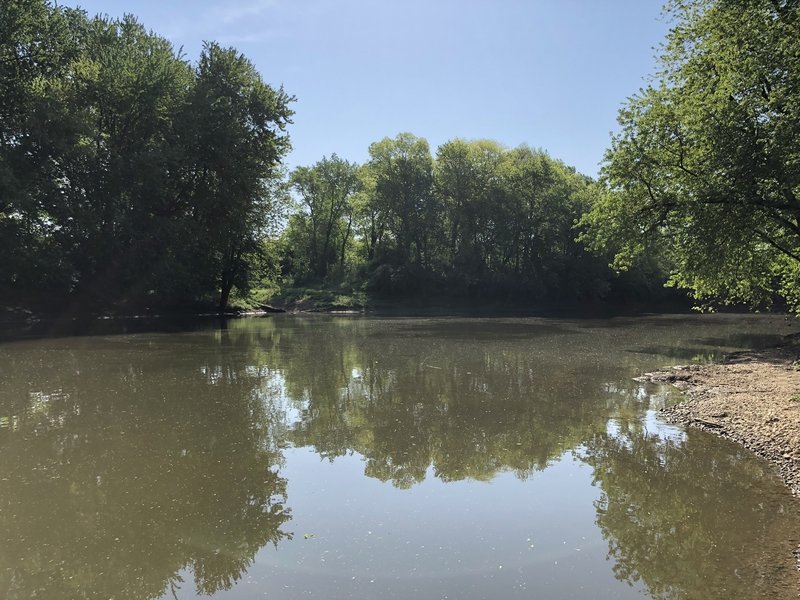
(707, 162)
(130, 177)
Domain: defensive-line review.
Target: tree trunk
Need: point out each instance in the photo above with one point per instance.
(226, 285)
(344, 241)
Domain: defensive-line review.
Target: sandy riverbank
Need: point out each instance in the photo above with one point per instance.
(752, 398)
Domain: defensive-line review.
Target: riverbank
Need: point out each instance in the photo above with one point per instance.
(752, 398)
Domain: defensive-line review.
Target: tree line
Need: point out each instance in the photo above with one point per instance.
(133, 177)
(476, 220)
(129, 175)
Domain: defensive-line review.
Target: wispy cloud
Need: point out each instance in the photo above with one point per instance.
(236, 12)
(255, 37)
(217, 18)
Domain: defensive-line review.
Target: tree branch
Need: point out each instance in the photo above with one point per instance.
(772, 242)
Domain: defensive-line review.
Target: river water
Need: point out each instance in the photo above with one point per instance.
(361, 457)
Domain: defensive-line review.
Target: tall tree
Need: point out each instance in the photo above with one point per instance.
(708, 158)
(368, 214)
(119, 175)
(39, 47)
(127, 176)
(326, 190)
(402, 168)
(464, 174)
(236, 142)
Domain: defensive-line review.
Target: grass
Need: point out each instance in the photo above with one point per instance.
(321, 298)
(256, 298)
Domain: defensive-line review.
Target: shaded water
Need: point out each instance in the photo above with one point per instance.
(357, 457)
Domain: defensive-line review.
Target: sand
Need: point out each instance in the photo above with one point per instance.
(752, 398)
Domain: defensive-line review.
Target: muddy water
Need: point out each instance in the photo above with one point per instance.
(338, 457)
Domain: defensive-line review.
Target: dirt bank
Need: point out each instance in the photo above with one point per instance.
(752, 398)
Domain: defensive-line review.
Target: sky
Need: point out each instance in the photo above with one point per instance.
(551, 74)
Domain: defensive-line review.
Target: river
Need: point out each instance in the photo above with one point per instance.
(368, 457)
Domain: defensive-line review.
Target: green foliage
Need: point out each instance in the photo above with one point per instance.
(236, 141)
(128, 176)
(322, 230)
(479, 221)
(707, 165)
(402, 173)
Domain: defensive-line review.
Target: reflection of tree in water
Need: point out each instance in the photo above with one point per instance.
(132, 463)
(681, 515)
(466, 409)
(137, 458)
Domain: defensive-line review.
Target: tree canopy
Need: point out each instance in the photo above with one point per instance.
(133, 178)
(322, 229)
(707, 163)
(475, 219)
(129, 175)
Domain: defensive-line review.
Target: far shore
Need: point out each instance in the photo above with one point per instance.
(320, 304)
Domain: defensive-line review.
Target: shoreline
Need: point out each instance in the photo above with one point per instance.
(751, 398)
(17, 316)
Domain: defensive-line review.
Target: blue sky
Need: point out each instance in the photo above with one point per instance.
(548, 73)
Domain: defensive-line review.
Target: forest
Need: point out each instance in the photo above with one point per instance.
(133, 178)
(476, 221)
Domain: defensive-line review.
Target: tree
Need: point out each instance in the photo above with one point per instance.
(128, 177)
(402, 168)
(326, 190)
(464, 174)
(39, 46)
(87, 151)
(708, 158)
(236, 140)
(118, 173)
(368, 214)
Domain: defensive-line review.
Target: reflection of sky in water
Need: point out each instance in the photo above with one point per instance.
(653, 426)
(505, 538)
(352, 457)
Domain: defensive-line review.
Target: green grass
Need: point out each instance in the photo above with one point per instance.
(257, 297)
(319, 297)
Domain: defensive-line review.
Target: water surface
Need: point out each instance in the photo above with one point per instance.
(352, 457)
